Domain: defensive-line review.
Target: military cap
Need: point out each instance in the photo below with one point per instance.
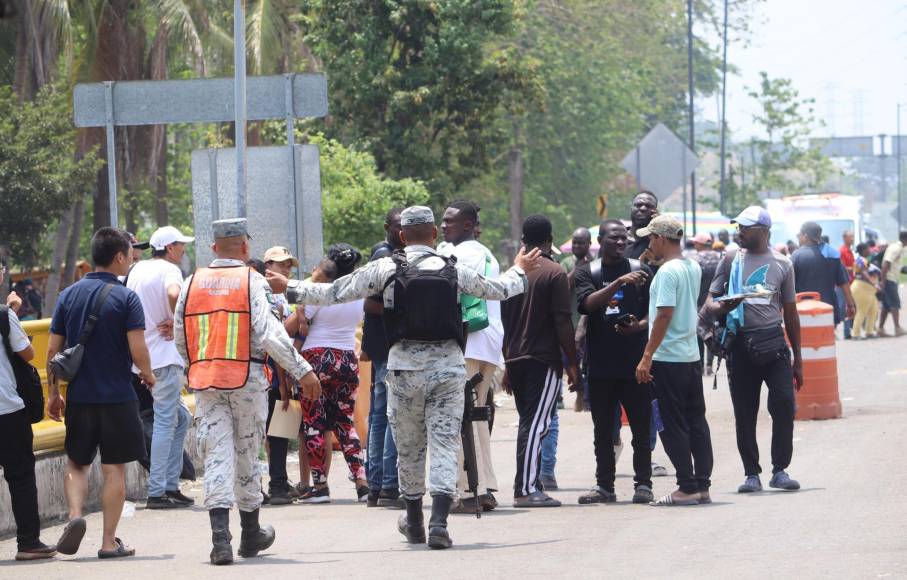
(416, 215)
(230, 228)
(664, 226)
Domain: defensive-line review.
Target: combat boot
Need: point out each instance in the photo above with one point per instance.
(255, 538)
(412, 523)
(438, 538)
(222, 552)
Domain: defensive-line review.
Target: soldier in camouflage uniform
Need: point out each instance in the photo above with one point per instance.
(231, 423)
(426, 379)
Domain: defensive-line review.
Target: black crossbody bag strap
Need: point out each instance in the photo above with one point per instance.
(4, 330)
(95, 313)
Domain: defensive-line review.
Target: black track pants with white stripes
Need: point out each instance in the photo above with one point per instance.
(535, 387)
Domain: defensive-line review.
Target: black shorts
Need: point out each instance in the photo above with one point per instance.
(116, 429)
(891, 300)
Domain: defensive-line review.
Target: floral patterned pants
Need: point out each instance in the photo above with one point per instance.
(338, 371)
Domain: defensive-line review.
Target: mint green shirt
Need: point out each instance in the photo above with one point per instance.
(676, 284)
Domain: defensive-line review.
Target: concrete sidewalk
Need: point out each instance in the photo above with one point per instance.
(849, 521)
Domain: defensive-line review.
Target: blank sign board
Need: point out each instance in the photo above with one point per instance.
(272, 200)
(198, 100)
(661, 162)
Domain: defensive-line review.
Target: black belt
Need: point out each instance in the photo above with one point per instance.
(260, 361)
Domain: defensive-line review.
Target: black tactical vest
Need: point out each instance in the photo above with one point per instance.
(426, 302)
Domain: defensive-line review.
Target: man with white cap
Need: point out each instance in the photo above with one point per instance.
(758, 352)
(426, 369)
(223, 328)
(157, 282)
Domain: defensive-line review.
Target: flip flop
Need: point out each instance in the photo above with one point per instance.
(71, 538)
(669, 500)
(121, 551)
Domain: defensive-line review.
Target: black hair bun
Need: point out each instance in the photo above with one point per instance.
(345, 256)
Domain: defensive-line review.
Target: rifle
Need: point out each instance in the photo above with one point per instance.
(471, 414)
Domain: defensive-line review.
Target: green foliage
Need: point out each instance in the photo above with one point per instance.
(413, 82)
(355, 197)
(39, 176)
(786, 164)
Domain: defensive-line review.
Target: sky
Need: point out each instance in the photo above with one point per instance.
(849, 55)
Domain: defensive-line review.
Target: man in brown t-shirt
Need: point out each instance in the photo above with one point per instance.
(534, 356)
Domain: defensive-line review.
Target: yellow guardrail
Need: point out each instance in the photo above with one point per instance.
(49, 434)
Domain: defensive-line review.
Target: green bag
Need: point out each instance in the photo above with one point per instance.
(475, 310)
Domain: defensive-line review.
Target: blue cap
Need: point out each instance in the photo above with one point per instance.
(753, 216)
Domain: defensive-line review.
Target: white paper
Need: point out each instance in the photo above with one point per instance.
(286, 424)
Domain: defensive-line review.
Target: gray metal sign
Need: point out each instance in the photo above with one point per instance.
(843, 146)
(197, 100)
(281, 211)
(661, 162)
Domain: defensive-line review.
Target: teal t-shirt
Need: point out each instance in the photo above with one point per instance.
(677, 284)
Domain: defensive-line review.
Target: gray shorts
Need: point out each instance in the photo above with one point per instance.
(891, 299)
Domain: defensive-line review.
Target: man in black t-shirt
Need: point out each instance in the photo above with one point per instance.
(614, 293)
(642, 210)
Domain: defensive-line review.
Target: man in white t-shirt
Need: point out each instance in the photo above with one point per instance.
(483, 347)
(16, 456)
(158, 282)
(892, 262)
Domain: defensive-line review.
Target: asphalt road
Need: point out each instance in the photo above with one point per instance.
(848, 521)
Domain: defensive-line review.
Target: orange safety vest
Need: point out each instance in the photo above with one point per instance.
(218, 325)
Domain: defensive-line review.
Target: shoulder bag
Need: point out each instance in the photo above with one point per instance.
(65, 364)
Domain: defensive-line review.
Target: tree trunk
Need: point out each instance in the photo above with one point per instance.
(101, 216)
(160, 194)
(72, 251)
(515, 187)
(52, 289)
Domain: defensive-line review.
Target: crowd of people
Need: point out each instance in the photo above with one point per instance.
(634, 328)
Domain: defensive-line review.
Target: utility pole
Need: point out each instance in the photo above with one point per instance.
(882, 176)
(239, 102)
(692, 122)
(721, 193)
(897, 152)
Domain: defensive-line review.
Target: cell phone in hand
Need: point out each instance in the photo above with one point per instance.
(624, 319)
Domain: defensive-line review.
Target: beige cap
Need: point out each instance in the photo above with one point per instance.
(279, 254)
(664, 226)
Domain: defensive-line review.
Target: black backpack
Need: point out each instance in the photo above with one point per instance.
(426, 302)
(28, 382)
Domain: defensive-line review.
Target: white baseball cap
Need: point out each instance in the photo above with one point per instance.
(163, 237)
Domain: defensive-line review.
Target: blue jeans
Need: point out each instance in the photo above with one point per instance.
(381, 465)
(171, 421)
(842, 308)
(549, 445)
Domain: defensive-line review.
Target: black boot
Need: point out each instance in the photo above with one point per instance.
(438, 538)
(412, 523)
(222, 552)
(255, 538)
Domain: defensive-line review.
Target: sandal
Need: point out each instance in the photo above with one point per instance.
(669, 500)
(121, 551)
(71, 538)
(704, 498)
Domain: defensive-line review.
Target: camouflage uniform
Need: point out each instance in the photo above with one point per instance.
(231, 424)
(426, 380)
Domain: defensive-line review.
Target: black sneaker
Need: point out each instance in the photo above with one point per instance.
(180, 497)
(390, 498)
(164, 502)
(316, 495)
(372, 500)
(280, 497)
(362, 491)
(39, 551)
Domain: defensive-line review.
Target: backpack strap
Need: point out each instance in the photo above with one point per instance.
(595, 267)
(4, 327)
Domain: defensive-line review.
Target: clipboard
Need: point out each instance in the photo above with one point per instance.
(286, 424)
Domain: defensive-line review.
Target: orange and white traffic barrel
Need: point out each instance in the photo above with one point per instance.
(818, 398)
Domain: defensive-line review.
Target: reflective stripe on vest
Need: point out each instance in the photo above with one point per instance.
(218, 325)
